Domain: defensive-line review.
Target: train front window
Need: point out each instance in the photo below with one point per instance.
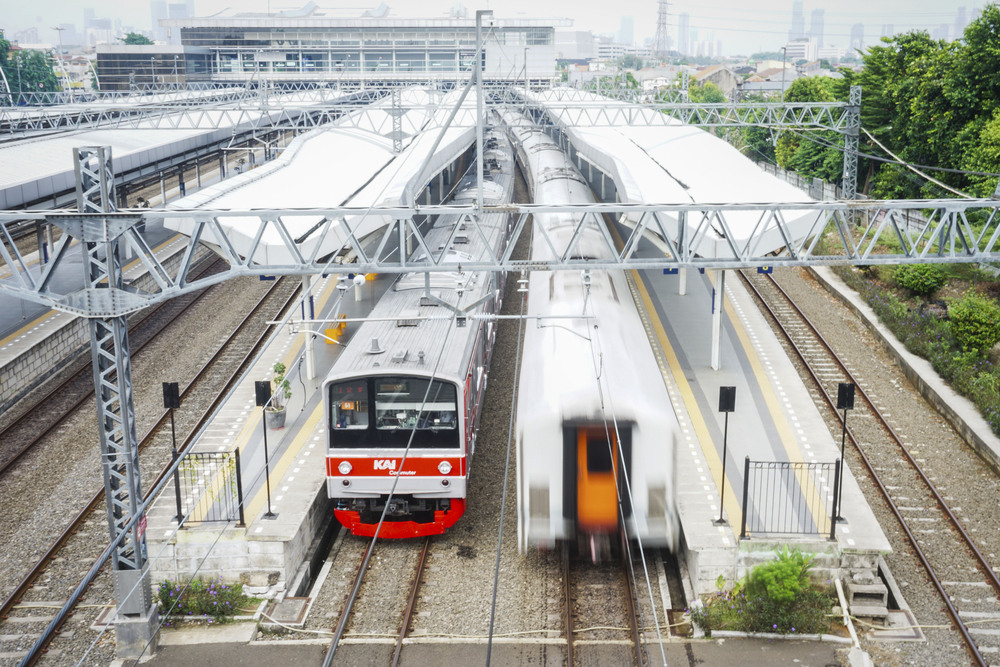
(404, 403)
(598, 455)
(349, 402)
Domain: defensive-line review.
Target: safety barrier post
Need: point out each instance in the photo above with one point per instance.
(746, 488)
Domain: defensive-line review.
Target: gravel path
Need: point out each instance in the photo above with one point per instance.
(965, 481)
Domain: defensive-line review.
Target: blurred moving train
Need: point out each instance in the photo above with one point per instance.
(596, 431)
(402, 402)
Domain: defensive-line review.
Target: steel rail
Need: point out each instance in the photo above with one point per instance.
(963, 630)
(411, 604)
(568, 597)
(147, 438)
(633, 612)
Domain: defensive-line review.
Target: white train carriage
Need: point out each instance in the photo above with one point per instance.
(596, 431)
(403, 400)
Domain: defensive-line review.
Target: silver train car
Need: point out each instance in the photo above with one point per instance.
(595, 428)
(402, 402)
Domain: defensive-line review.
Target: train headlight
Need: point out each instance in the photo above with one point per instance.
(444, 467)
(345, 467)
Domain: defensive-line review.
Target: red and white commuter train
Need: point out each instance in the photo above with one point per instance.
(402, 402)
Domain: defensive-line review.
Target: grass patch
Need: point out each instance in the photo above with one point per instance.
(212, 601)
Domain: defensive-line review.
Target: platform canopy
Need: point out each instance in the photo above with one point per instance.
(350, 163)
(675, 163)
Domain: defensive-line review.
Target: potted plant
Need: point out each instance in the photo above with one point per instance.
(275, 413)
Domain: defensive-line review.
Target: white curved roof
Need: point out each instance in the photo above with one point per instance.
(327, 168)
(677, 163)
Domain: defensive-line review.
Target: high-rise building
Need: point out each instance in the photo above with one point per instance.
(857, 37)
(888, 30)
(684, 34)
(626, 34)
(157, 11)
(798, 30)
(816, 26)
(960, 23)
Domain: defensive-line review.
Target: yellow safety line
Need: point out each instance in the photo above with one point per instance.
(41, 318)
(732, 507)
(278, 472)
(788, 440)
(34, 323)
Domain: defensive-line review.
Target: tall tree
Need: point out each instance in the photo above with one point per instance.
(135, 38)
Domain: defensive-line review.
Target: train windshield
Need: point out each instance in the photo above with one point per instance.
(408, 403)
(393, 412)
(349, 405)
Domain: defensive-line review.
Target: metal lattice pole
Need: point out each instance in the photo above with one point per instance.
(661, 44)
(99, 238)
(397, 121)
(851, 131)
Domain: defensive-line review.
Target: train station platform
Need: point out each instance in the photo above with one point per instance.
(270, 551)
(774, 420)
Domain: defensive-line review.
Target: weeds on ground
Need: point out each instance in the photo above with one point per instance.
(213, 601)
(956, 347)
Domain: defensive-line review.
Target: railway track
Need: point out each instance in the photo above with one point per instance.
(377, 582)
(955, 566)
(601, 613)
(49, 412)
(48, 583)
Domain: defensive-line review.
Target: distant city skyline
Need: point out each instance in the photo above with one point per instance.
(739, 28)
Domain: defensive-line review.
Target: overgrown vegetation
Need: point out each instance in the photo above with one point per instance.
(921, 279)
(778, 596)
(957, 342)
(213, 601)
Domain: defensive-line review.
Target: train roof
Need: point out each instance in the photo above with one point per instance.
(411, 332)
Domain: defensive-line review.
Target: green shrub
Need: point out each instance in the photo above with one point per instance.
(774, 597)
(781, 579)
(921, 279)
(975, 322)
(211, 600)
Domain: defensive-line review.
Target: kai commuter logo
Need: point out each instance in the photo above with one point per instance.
(385, 464)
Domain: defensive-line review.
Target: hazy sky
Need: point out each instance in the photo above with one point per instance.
(742, 26)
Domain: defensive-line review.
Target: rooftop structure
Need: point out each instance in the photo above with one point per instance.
(314, 45)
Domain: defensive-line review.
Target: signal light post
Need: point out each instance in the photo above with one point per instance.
(845, 402)
(727, 404)
(171, 400)
(262, 389)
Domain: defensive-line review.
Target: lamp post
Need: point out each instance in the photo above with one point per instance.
(262, 391)
(176, 82)
(62, 65)
(783, 54)
(152, 70)
(727, 404)
(845, 402)
(172, 400)
(17, 59)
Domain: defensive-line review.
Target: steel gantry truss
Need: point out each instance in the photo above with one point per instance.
(685, 236)
(99, 234)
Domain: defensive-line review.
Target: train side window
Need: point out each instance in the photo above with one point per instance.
(350, 405)
(598, 455)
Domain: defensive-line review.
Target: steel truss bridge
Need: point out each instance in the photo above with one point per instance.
(955, 231)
